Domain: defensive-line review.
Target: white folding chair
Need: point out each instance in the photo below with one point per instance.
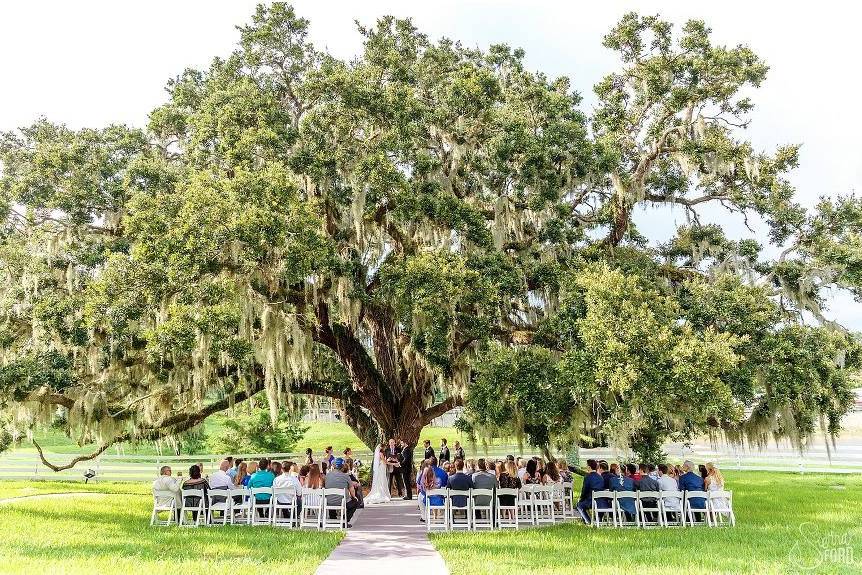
(525, 505)
(261, 507)
(220, 501)
(164, 501)
(610, 511)
(482, 515)
(721, 508)
(649, 508)
(284, 506)
(312, 506)
(693, 508)
(436, 510)
(568, 501)
(194, 502)
(622, 519)
(671, 502)
(459, 510)
(543, 504)
(240, 505)
(506, 515)
(337, 508)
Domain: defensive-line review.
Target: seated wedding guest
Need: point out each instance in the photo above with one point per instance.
(357, 485)
(165, 482)
(715, 482)
(691, 481)
(448, 469)
(667, 482)
(701, 469)
(314, 479)
(428, 481)
(640, 474)
(531, 473)
(429, 451)
(540, 466)
(648, 482)
(459, 481)
(303, 474)
(484, 479)
(231, 470)
(250, 470)
(337, 478)
(605, 472)
(627, 504)
(280, 479)
(552, 475)
(522, 468)
(631, 470)
(195, 481)
(509, 480)
(615, 470)
(239, 480)
(592, 482)
(439, 472)
(235, 469)
(563, 469)
(220, 480)
(469, 466)
(263, 477)
(459, 451)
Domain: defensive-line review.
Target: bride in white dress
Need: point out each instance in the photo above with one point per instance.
(380, 480)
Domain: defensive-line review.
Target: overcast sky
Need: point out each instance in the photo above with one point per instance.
(95, 63)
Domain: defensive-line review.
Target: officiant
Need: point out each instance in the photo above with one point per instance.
(393, 466)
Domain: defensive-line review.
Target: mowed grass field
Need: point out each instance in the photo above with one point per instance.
(786, 523)
(106, 531)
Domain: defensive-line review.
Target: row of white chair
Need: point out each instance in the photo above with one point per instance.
(500, 508)
(663, 508)
(277, 506)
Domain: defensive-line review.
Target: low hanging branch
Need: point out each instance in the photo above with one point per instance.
(72, 463)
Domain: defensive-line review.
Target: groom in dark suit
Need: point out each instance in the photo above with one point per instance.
(406, 459)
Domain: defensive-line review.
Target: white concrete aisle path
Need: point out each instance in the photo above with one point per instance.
(386, 539)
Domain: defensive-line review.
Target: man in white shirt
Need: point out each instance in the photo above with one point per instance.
(167, 483)
(285, 479)
(220, 480)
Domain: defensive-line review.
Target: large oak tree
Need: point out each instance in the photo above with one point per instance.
(385, 231)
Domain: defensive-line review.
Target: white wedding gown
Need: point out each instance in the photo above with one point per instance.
(380, 481)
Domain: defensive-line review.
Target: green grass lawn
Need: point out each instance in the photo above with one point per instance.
(771, 508)
(110, 533)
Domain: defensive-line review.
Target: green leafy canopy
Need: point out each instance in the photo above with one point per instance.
(423, 226)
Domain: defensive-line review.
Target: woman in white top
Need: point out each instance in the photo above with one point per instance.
(715, 482)
(380, 479)
(667, 482)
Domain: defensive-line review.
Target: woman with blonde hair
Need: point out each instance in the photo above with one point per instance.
(508, 480)
(714, 480)
(241, 474)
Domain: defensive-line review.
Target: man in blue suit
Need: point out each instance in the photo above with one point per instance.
(592, 482)
(625, 483)
(690, 481)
